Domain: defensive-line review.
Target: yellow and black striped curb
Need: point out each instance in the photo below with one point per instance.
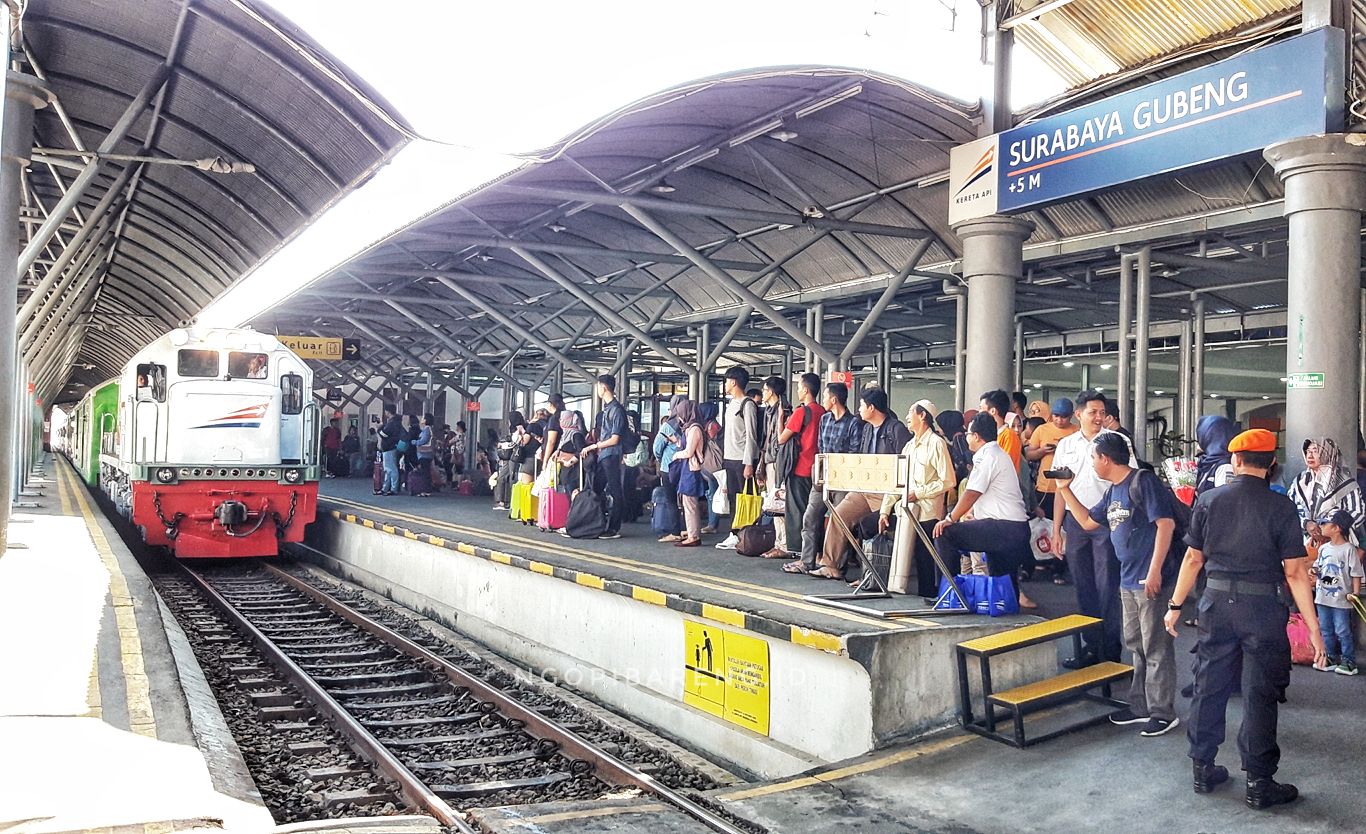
(734, 617)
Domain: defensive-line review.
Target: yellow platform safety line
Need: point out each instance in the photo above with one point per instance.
(542, 567)
(336, 514)
(499, 556)
(467, 549)
(716, 583)
(92, 685)
(388, 528)
(824, 641)
(365, 522)
(436, 541)
(1059, 627)
(409, 534)
(141, 719)
(928, 748)
(721, 614)
(649, 595)
(1085, 678)
(590, 581)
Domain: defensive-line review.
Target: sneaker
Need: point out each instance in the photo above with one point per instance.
(1329, 664)
(1127, 716)
(1347, 667)
(1158, 726)
(610, 536)
(729, 543)
(1081, 662)
(500, 507)
(1208, 776)
(1266, 792)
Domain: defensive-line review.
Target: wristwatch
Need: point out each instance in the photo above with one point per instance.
(1173, 605)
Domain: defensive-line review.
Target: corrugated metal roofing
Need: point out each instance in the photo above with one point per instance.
(245, 85)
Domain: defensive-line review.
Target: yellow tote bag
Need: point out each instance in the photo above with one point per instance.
(749, 505)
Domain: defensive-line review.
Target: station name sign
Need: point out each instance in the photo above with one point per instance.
(1289, 89)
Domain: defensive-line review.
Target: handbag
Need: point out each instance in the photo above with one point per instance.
(756, 540)
(749, 505)
(720, 500)
(775, 501)
(1301, 647)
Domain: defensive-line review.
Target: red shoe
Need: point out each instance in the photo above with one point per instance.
(688, 543)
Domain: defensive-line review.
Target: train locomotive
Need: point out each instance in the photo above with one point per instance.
(208, 442)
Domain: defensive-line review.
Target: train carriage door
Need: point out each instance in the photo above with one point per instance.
(149, 397)
(292, 396)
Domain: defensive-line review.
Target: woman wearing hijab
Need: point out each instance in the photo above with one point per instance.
(712, 461)
(929, 482)
(1325, 485)
(691, 486)
(954, 428)
(668, 443)
(1214, 467)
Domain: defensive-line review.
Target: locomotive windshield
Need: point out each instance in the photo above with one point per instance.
(203, 363)
(151, 383)
(247, 365)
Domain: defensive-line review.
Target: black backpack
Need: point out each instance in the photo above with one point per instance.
(1181, 514)
(785, 461)
(630, 437)
(587, 518)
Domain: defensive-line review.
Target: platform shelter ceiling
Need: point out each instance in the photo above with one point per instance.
(790, 186)
(149, 244)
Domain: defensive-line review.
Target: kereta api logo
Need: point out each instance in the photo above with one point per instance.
(972, 179)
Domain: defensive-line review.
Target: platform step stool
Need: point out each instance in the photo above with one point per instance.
(1021, 700)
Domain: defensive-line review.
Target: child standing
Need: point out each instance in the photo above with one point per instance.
(1337, 568)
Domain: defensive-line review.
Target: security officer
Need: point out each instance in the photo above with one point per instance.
(1248, 540)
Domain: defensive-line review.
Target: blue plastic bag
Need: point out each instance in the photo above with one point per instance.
(947, 601)
(996, 596)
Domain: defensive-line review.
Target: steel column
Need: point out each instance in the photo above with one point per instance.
(894, 285)
(818, 334)
(23, 94)
(1325, 190)
(1198, 370)
(703, 370)
(1126, 317)
(885, 364)
(1139, 428)
(960, 347)
(1019, 354)
(992, 266)
(1181, 416)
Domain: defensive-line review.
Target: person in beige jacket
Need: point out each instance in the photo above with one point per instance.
(929, 484)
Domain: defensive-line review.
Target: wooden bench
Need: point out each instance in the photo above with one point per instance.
(1069, 686)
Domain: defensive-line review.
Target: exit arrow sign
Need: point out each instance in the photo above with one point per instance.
(351, 349)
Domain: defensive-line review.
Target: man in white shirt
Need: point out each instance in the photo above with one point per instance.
(1090, 555)
(999, 526)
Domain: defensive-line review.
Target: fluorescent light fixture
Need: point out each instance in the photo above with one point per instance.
(755, 133)
(1265, 397)
(662, 187)
(702, 157)
(1107, 366)
(932, 180)
(783, 135)
(1099, 388)
(1068, 364)
(900, 376)
(953, 385)
(1158, 393)
(555, 227)
(1038, 385)
(1214, 396)
(828, 102)
(1285, 379)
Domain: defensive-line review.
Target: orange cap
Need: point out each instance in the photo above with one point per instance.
(1253, 440)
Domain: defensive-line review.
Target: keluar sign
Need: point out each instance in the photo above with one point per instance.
(1289, 89)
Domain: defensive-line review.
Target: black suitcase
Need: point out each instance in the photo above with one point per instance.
(587, 517)
(339, 466)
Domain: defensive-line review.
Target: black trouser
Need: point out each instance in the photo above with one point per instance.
(612, 485)
(927, 573)
(1095, 573)
(735, 481)
(798, 498)
(1005, 543)
(1240, 627)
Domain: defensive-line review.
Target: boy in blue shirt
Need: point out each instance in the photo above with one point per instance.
(1336, 570)
(1141, 532)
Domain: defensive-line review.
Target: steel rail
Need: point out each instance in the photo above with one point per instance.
(607, 767)
(414, 790)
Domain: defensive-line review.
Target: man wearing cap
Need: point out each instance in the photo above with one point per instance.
(1044, 442)
(1247, 538)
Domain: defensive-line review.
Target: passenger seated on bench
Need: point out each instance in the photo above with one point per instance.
(999, 525)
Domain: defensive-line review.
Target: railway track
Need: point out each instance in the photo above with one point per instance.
(447, 739)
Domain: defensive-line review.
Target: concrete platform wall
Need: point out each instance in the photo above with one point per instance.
(628, 654)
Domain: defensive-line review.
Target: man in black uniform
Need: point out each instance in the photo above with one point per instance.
(1248, 540)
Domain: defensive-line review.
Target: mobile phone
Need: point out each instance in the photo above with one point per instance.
(1060, 474)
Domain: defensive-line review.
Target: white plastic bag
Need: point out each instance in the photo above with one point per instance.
(1041, 540)
(720, 500)
(544, 482)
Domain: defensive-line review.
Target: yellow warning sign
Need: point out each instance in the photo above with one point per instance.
(726, 674)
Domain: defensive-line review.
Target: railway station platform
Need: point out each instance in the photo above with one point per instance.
(629, 622)
(106, 721)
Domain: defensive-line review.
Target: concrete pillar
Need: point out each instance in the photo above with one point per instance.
(23, 95)
(960, 347)
(1325, 191)
(992, 266)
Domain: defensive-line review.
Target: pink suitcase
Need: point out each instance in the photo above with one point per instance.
(553, 510)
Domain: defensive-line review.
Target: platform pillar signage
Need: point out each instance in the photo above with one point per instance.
(846, 377)
(726, 674)
(324, 348)
(1240, 105)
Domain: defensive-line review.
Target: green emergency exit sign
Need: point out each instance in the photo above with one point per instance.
(1305, 380)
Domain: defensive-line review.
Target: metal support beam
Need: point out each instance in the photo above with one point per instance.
(517, 329)
(1181, 416)
(894, 285)
(443, 338)
(1126, 316)
(960, 345)
(1198, 371)
(582, 293)
(1019, 354)
(411, 357)
(1139, 428)
(721, 276)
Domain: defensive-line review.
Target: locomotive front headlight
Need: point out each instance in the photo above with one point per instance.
(166, 475)
(293, 476)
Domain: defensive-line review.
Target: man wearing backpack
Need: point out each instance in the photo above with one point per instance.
(796, 456)
(1138, 509)
(612, 439)
(741, 447)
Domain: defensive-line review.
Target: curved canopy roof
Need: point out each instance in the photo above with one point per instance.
(206, 132)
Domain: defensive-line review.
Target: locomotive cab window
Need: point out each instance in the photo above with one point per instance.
(247, 365)
(151, 383)
(291, 394)
(201, 363)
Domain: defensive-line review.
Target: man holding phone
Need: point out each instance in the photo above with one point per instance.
(1043, 443)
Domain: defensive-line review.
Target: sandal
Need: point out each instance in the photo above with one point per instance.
(672, 537)
(795, 567)
(775, 553)
(820, 573)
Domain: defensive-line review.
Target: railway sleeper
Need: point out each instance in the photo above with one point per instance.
(478, 735)
(398, 689)
(470, 790)
(306, 628)
(284, 711)
(397, 674)
(285, 640)
(272, 698)
(461, 718)
(328, 774)
(544, 749)
(350, 664)
(361, 796)
(332, 647)
(364, 657)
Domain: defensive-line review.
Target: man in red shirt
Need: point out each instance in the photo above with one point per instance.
(802, 432)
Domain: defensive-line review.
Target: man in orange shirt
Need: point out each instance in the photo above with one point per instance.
(1044, 442)
(997, 404)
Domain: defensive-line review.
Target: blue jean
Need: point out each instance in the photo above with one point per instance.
(1335, 624)
(390, 459)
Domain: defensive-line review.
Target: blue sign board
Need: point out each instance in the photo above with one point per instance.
(1286, 90)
